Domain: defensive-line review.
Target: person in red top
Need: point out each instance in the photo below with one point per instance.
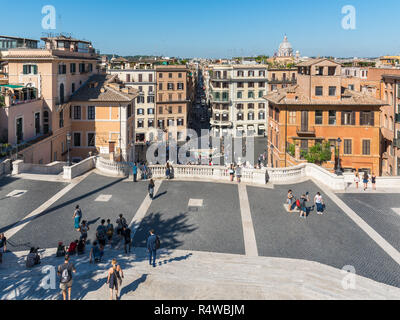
(72, 247)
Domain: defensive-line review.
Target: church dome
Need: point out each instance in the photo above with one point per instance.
(285, 49)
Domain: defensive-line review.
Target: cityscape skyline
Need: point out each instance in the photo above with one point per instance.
(314, 28)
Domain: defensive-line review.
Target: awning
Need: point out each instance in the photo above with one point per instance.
(11, 86)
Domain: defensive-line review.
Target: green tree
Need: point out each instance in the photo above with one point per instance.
(319, 153)
(2, 103)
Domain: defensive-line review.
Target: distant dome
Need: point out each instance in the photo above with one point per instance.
(285, 49)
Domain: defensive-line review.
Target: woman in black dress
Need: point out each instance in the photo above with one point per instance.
(114, 278)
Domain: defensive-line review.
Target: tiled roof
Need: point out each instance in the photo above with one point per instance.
(104, 88)
(297, 97)
(313, 61)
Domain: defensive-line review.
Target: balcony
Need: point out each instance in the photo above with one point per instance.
(305, 132)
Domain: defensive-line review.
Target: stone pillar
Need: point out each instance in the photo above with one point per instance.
(297, 152)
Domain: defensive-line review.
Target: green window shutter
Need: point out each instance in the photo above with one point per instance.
(25, 69)
(35, 69)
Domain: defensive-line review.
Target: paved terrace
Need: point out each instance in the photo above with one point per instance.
(219, 240)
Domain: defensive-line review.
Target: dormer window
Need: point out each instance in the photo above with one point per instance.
(331, 71)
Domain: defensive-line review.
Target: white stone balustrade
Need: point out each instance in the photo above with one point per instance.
(53, 168)
(79, 168)
(5, 167)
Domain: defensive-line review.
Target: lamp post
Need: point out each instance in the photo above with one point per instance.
(338, 168)
(68, 144)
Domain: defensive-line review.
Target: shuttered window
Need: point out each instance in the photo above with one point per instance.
(366, 147)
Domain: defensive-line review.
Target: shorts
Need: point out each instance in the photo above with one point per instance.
(65, 286)
(102, 242)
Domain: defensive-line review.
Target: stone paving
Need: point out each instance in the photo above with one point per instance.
(209, 219)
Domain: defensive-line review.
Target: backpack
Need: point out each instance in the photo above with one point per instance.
(298, 204)
(158, 243)
(65, 276)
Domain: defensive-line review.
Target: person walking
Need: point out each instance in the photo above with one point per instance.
(319, 203)
(168, 171)
(145, 171)
(3, 246)
(126, 232)
(114, 279)
(84, 230)
(151, 189)
(77, 216)
(303, 205)
(365, 181)
(373, 181)
(95, 253)
(238, 173)
(101, 233)
(231, 171)
(134, 172)
(109, 231)
(357, 179)
(65, 273)
(121, 222)
(152, 246)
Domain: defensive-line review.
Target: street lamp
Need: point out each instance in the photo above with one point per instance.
(68, 144)
(338, 168)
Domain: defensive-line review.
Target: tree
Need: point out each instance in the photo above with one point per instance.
(2, 102)
(318, 153)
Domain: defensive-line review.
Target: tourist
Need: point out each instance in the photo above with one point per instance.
(96, 253)
(65, 273)
(126, 232)
(33, 258)
(151, 189)
(101, 234)
(84, 230)
(357, 179)
(121, 222)
(303, 205)
(239, 173)
(81, 247)
(134, 172)
(373, 181)
(3, 245)
(72, 248)
(109, 231)
(231, 172)
(365, 181)
(60, 250)
(167, 171)
(319, 203)
(152, 245)
(77, 216)
(290, 199)
(114, 278)
(145, 171)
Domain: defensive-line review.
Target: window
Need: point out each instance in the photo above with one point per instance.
(366, 147)
(318, 117)
(150, 111)
(150, 77)
(140, 123)
(160, 124)
(240, 95)
(82, 68)
(170, 75)
(180, 122)
(91, 139)
(92, 113)
(170, 86)
(261, 73)
(292, 117)
(61, 124)
(140, 111)
(261, 84)
(318, 91)
(129, 110)
(261, 115)
(180, 86)
(77, 112)
(140, 78)
(332, 91)
(240, 73)
(347, 146)
(240, 85)
(260, 94)
(331, 71)
(277, 115)
(72, 67)
(179, 75)
(160, 75)
(90, 67)
(240, 116)
(366, 118)
(332, 117)
(170, 97)
(160, 86)
(77, 139)
(348, 118)
(160, 110)
(30, 69)
(250, 116)
(251, 95)
(150, 123)
(261, 105)
(251, 73)
(250, 85)
(250, 106)
(179, 109)
(170, 110)
(171, 122)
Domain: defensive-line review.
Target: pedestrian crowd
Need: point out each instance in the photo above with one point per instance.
(366, 179)
(300, 204)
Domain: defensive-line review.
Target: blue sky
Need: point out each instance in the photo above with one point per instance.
(218, 28)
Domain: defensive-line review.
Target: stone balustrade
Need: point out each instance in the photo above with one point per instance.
(5, 167)
(79, 168)
(112, 168)
(54, 168)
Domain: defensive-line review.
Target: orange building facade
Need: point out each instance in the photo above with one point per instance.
(319, 108)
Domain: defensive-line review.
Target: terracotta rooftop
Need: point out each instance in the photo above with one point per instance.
(104, 88)
(297, 97)
(313, 61)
